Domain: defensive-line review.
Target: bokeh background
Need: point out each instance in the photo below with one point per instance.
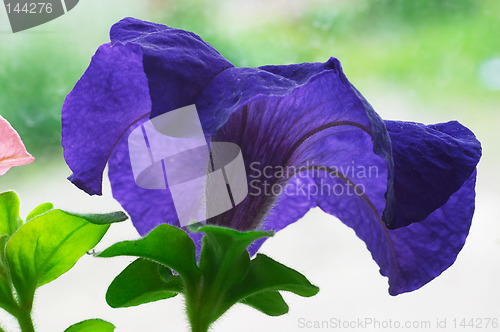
(425, 61)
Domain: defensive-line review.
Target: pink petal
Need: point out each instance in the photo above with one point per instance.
(12, 150)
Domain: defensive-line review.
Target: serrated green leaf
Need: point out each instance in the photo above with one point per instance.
(165, 244)
(39, 210)
(9, 213)
(91, 325)
(143, 281)
(270, 303)
(265, 274)
(46, 247)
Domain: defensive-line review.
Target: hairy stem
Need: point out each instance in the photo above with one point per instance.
(196, 306)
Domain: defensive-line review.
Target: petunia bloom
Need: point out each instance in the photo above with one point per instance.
(308, 139)
(12, 150)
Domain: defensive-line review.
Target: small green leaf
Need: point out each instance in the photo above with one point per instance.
(91, 325)
(228, 236)
(102, 218)
(46, 247)
(39, 210)
(9, 213)
(265, 274)
(143, 281)
(165, 244)
(270, 303)
(224, 254)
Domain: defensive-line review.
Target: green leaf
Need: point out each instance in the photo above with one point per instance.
(102, 219)
(228, 236)
(143, 281)
(165, 244)
(3, 265)
(46, 247)
(9, 224)
(229, 277)
(270, 303)
(7, 300)
(265, 274)
(39, 210)
(9, 213)
(91, 325)
(224, 254)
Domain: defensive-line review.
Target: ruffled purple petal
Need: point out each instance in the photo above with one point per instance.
(178, 63)
(431, 163)
(406, 189)
(427, 248)
(304, 116)
(409, 256)
(147, 208)
(296, 118)
(110, 96)
(320, 125)
(149, 69)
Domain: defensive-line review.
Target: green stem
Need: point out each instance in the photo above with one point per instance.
(196, 307)
(25, 321)
(199, 326)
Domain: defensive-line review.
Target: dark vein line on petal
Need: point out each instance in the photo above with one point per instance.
(258, 211)
(293, 161)
(319, 129)
(124, 131)
(243, 122)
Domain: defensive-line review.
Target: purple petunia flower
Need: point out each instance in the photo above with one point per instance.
(407, 189)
